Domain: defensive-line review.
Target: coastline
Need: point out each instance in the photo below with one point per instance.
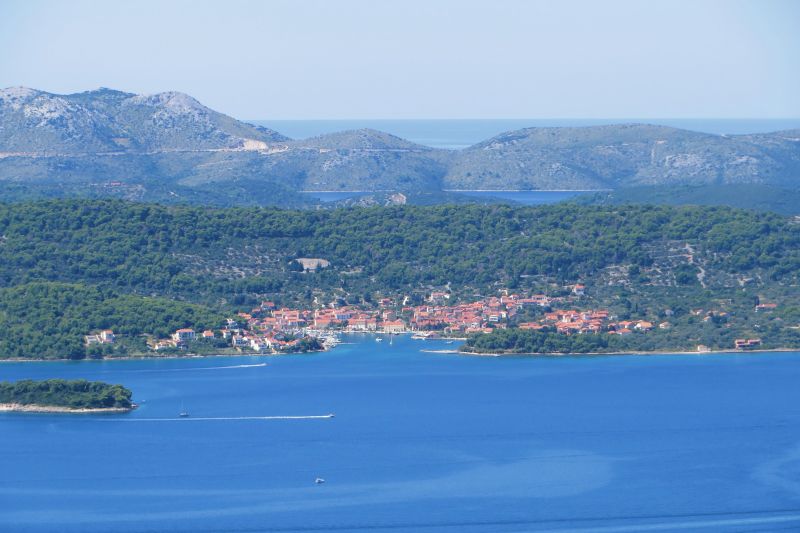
(152, 357)
(465, 190)
(634, 353)
(36, 408)
(453, 351)
(527, 190)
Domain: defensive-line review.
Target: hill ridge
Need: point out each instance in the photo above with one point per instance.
(169, 145)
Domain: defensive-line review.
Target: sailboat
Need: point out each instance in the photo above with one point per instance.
(183, 412)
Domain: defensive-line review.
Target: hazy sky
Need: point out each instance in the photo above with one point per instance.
(420, 58)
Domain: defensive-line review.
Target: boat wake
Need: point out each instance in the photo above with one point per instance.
(254, 365)
(219, 418)
(191, 369)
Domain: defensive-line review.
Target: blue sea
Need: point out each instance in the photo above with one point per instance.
(518, 197)
(459, 134)
(420, 442)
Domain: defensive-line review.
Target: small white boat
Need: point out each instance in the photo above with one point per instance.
(378, 339)
(183, 413)
(319, 481)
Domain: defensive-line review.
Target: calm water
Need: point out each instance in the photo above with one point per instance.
(331, 196)
(420, 441)
(458, 134)
(521, 197)
(526, 197)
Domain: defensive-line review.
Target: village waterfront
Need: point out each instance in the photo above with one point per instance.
(267, 329)
(472, 443)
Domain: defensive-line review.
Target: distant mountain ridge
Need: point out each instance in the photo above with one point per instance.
(106, 120)
(170, 147)
(361, 139)
(625, 155)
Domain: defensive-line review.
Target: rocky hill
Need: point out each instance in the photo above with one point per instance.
(169, 147)
(363, 139)
(610, 157)
(103, 121)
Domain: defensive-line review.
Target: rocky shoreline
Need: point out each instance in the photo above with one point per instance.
(36, 408)
(631, 352)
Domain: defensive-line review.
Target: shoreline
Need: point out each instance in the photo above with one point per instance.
(154, 357)
(527, 190)
(639, 353)
(442, 351)
(37, 408)
(464, 190)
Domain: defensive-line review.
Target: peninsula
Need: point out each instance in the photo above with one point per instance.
(63, 396)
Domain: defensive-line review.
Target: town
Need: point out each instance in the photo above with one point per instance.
(269, 329)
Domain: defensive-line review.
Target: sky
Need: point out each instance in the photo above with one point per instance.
(410, 59)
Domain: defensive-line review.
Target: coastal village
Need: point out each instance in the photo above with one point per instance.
(270, 329)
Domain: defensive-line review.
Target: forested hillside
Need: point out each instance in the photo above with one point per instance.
(69, 266)
(50, 320)
(72, 394)
(200, 253)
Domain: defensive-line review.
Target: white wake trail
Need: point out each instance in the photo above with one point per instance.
(229, 366)
(219, 418)
(191, 369)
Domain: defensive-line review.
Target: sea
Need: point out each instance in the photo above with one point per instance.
(513, 197)
(421, 440)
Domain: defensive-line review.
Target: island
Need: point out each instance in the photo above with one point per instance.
(265, 281)
(64, 396)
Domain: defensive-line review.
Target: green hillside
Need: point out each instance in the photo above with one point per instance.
(70, 266)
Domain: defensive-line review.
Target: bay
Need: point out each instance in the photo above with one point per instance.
(519, 197)
(420, 441)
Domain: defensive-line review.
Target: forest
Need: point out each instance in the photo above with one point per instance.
(149, 248)
(74, 394)
(49, 320)
(70, 266)
(712, 336)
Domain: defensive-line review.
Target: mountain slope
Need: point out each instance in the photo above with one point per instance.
(111, 121)
(621, 156)
(363, 139)
(169, 147)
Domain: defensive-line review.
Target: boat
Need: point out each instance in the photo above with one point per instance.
(330, 341)
(319, 481)
(183, 413)
(378, 339)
